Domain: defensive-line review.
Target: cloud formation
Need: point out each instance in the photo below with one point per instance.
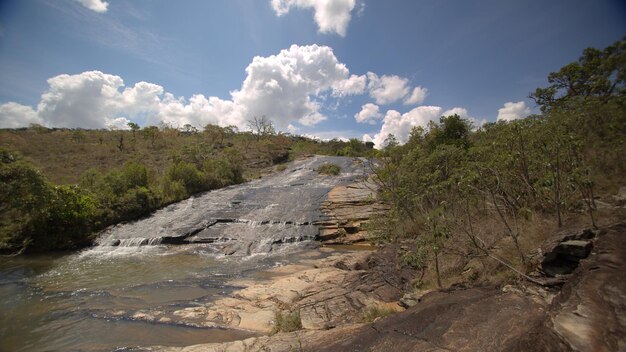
(281, 86)
(330, 15)
(400, 125)
(513, 111)
(288, 87)
(14, 115)
(95, 5)
(354, 85)
(369, 114)
(417, 97)
(387, 89)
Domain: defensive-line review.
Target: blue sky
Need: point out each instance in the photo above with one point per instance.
(329, 68)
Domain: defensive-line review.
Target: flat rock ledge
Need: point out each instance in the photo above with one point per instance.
(327, 293)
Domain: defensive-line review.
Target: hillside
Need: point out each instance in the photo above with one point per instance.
(90, 179)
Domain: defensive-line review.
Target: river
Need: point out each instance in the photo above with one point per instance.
(183, 255)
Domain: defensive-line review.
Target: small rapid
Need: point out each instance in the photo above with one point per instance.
(184, 255)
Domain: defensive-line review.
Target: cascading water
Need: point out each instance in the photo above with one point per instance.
(182, 255)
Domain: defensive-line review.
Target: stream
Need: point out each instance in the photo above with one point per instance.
(181, 256)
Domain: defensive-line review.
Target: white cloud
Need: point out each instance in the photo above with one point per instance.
(417, 97)
(400, 125)
(462, 112)
(369, 114)
(95, 5)
(14, 115)
(97, 100)
(367, 138)
(330, 15)
(387, 89)
(287, 87)
(292, 129)
(118, 123)
(280, 86)
(354, 85)
(513, 111)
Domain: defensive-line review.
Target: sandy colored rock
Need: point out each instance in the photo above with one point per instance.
(347, 209)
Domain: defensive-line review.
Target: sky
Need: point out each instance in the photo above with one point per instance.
(325, 68)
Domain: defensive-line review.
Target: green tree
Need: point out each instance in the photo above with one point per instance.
(133, 127)
(597, 73)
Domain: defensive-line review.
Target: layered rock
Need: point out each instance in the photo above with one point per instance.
(589, 312)
(347, 209)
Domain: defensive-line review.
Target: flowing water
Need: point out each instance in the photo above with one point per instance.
(184, 255)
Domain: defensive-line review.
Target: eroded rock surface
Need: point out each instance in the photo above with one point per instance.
(590, 312)
(327, 293)
(347, 209)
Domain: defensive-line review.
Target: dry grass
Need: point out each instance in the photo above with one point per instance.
(64, 155)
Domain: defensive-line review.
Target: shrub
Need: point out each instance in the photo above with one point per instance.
(187, 174)
(329, 169)
(287, 322)
(371, 313)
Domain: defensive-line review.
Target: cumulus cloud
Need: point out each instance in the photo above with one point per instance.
(94, 99)
(367, 138)
(118, 123)
(513, 111)
(287, 87)
(14, 115)
(462, 112)
(387, 89)
(369, 114)
(417, 97)
(354, 85)
(400, 125)
(280, 86)
(330, 15)
(95, 5)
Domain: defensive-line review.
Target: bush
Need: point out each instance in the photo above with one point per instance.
(329, 169)
(287, 322)
(187, 174)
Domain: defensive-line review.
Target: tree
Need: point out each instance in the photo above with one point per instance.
(151, 132)
(133, 127)
(261, 126)
(189, 129)
(597, 73)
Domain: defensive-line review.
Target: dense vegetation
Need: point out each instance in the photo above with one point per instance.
(463, 194)
(91, 179)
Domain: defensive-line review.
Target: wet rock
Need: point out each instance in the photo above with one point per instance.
(258, 217)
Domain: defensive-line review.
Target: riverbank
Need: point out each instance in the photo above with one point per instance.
(366, 300)
(334, 294)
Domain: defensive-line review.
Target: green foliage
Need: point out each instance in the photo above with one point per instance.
(445, 177)
(597, 73)
(187, 174)
(329, 169)
(36, 214)
(286, 322)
